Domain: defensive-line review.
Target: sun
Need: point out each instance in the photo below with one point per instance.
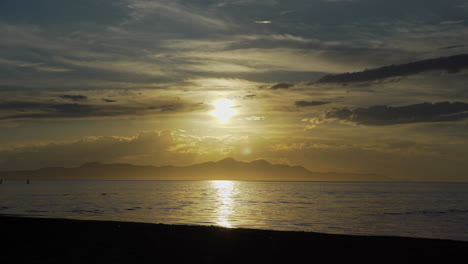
(224, 109)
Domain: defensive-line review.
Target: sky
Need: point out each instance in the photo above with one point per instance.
(156, 82)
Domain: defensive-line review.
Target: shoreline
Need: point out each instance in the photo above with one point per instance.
(32, 180)
(55, 240)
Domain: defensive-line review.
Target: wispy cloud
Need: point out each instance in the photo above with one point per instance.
(142, 9)
(282, 86)
(248, 2)
(449, 22)
(46, 106)
(38, 66)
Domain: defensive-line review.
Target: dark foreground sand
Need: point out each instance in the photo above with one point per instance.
(39, 240)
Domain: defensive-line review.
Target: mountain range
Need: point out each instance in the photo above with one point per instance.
(226, 169)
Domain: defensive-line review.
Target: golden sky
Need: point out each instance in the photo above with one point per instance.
(181, 82)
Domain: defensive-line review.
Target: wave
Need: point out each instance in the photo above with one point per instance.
(431, 212)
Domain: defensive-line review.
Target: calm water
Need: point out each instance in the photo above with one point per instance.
(434, 210)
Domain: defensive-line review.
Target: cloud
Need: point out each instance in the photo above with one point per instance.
(53, 69)
(263, 22)
(135, 66)
(84, 108)
(335, 153)
(269, 41)
(146, 148)
(126, 55)
(186, 14)
(281, 86)
(38, 66)
(249, 96)
(254, 118)
(449, 22)
(77, 97)
(33, 57)
(221, 84)
(309, 103)
(453, 47)
(450, 64)
(152, 147)
(130, 48)
(249, 2)
(270, 57)
(314, 122)
(386, 115)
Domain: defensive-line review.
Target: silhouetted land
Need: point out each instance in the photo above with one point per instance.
(40, 240)
(226, 169)
(452, 64)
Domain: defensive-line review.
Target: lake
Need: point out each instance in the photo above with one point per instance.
(430, 210)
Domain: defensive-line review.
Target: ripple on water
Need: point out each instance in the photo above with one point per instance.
(429, 212)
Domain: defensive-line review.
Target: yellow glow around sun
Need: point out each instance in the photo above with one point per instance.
(224, 109)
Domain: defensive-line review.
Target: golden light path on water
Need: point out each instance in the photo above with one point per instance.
(224, 193)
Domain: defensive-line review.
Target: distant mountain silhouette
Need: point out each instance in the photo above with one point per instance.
(450, 64)
(226, 169)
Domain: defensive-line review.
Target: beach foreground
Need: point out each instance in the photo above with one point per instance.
(43, 240)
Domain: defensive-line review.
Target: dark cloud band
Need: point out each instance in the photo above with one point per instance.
(74, 97)
(282, 86)
(386, 115)
(310, 103)
(451, 64)
(53, 110)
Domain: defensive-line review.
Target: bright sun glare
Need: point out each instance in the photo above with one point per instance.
(224, 109)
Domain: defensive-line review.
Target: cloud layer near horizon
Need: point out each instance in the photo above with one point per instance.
(176, 147)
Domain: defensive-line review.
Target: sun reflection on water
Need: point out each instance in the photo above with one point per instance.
(224, 193)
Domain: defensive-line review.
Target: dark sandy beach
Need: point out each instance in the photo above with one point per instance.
(41, 240)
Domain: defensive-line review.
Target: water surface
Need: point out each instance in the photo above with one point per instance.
(433, 210)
